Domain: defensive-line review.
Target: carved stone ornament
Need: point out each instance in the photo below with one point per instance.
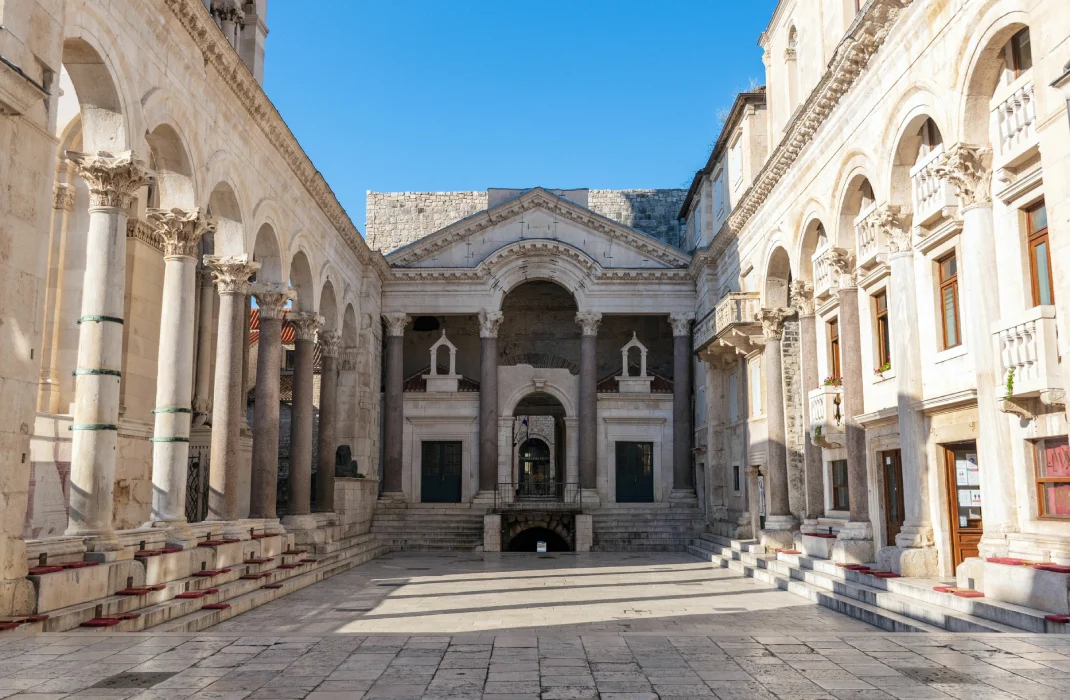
(113, 178)
(969, 170)
(228, 11)
(271, 299)
(349, 359)
(589, 321)
(489, 323)
(681, 324)
(889, 220)
(180, 230)
(802, 297)
(305, 324)
(843, 262)
(773, 322)
(330, 343)
(395, 324)
(62, 197)
(231, 273)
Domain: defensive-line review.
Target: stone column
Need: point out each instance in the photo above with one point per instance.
(683, 481)
(589, 322)
(754, 504)
(231, 275)
(489, 322)
(180, 230)
(49, 392)
(802, 301)
(855, 543)
(393, 405)
(299, 501)
(969, 170)
(202, 393)
(113, 180)
(779, 522)
(271, 300)
(330, 342)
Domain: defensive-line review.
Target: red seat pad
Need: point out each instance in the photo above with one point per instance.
(1054, 568)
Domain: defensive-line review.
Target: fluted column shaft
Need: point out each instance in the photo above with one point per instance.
(299, 501)
(683, 478)
(779, 516)
(589, 322)
(802, 299)
(489, 322)
(329, 341)
(271, 300)
(393, 404)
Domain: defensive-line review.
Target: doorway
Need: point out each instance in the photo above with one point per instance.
(964, 500)
(534, 471)
(893, 495)
(635, 472)
(539, 447)
(440, 471)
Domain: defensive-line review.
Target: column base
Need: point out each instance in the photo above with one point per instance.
(584, 532)
(590, 497)
(776, 539)
(993, 544)
(179, 532)
(484, 499)
(915, 537)
(854, 544)
(910, 561)
(684, 497)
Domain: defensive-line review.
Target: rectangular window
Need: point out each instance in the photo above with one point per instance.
(755, 381)
(733, 397)
(1021, 53)
(840, 500)
(1053, 477)
(290, 354)
(1039, 255)
(884, 342)
(735, 478)
(834, 347)
(949, 300)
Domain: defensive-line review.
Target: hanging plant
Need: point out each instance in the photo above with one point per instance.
(886, 367)
(1010, 382)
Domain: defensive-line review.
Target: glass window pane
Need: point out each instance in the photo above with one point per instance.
(1038, 219)
(951, 331)
(1040, 269)
(1023, 51)
(1053, 459)
(1056, 499)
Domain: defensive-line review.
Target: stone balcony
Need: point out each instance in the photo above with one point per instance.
(869, 240)
(1028, 352)
(826, 281)
(732, 327)
(826, 417)
(1014, 117)
(934, 198)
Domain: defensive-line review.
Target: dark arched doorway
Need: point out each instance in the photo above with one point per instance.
(534, 470)
(528, 541)
(539, 447)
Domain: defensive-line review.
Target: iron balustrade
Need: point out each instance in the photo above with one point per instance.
(547, 495)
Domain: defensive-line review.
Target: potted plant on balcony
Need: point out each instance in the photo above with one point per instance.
(886, 367)
(833, 380)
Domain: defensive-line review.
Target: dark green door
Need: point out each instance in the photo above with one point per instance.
(635, 472)
(441, 472)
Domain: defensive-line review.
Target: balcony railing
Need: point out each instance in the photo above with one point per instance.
(739, 307)
(934, 197)
(869, 240)
(826, 282)
(1014, 117)
(826, 417)
(1029, 356)
(549, 495)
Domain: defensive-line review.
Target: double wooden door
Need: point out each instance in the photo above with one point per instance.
(440, 470)
(635, 472)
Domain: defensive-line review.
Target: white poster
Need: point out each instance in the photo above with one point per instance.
(975, 498)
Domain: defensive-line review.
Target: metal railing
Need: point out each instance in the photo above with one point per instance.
(549, 495)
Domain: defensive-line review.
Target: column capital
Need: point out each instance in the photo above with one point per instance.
(181, 229)
(231, 273)
(349, 359)
(63, 196)
(681, 324)
(395, 324)
(842, 261)
(773, 322)
(489, 322)
(228, 11)
(889, 221)
(589, 321)
(969, 170)
(305, 324)
(113, 178)
(330, 343)
(271, 299)
(801, 293)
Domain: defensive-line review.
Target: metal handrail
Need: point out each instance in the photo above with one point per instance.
(549, 495)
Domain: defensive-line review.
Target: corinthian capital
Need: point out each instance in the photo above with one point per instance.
(842, 262)
(681, 324)
(62, 196)
(231, 273)
(489, 322)
(773, 322)
(589, 321)
(889, 221)
(181, 229)
(802, 297)
(305, 324)
(395, 324)
(113, 178)
(969, 170)
(271, 299)
(228, 11)
(330, 343)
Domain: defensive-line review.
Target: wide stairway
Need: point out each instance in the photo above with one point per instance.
(422, 527)
(881, 599)
(646, 527)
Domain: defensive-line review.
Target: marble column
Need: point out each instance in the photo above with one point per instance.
(231, 275)
(969, 170)
(49, 395)
(180, 230)
(330, 342)
(589, 322)
(779, 522)
(802, 301)
(683, 478)
(271, 299)
(855, 543)
(113, 180)
(393, 405)
(202, 390)
(299, 500)
(489, 322)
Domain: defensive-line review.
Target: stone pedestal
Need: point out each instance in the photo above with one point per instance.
(584, 532)
(492, 532)
(854, 544)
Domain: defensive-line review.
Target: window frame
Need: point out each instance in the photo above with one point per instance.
(1014, 53)
(833, 327)
(951, 283)
(1040, 481)
(838, 489)
(882, 329)
(1033, 240)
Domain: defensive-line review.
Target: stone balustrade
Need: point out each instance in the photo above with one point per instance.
(933, 196)
(1028, 354)
(826, 417)
(869, 240)
(1014, 116)
(825, 277)
(738, 307)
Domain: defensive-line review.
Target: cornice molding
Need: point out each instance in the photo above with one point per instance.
(218, 53)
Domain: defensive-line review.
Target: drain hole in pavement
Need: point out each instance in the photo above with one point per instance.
(132, 679)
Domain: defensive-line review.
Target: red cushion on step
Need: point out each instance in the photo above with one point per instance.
(969, 594)
(127, 616)
(231, 540)
(260, 537)
(23, 619)
(945, 589)
(101, 622)
(854, 567)
(210, 543)
(79, 564)
(308, 561)
(1054, 568)
(250, 577)
(207, 573)
(211, 590)
(296, 551)
(6, 626)
(146, 553)
(42, 570)
(272, 586)
(190, 594)
(886, 574)
(216, 606)
(1009, 561)
(1064, 619)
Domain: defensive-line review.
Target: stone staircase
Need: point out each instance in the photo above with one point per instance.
(893, 604)
(646, 527)
(423, 527)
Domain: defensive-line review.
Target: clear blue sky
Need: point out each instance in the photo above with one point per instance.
(443, 95)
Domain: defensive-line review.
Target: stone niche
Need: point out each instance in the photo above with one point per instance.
(443, 383)
(627, 384)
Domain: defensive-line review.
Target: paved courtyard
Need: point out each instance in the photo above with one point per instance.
(617, 627)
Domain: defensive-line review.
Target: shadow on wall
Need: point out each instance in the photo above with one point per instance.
(654, 212)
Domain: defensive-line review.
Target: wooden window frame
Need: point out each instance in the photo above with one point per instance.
(1014, 53)
(953, 284)
(834, 346)
(882, 326)
(1040, 481)
(844, 505)
(1034, 239)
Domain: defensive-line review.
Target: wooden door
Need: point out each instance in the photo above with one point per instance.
(893, 495)
(440, 469)
(635, 472)
(964, 500)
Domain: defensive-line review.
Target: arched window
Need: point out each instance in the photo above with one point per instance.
(930, 140)
(1018, 55)
(791, 64)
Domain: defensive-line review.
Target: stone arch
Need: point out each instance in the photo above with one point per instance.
(557, 523)
(814, 235)
(266, 252)
(549, 261)
(350, 329)
(914, 110)
(550, 388)
(855, 181)
(104, 121)
(303, 283)
(328, 306)
(778, 277)
(229, 237)
(170, 161)
(222, 175)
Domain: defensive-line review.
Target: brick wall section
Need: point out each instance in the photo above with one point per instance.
(793, 397)
(396, 219)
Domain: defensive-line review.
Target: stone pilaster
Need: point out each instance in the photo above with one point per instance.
(299, 501)
(682, 473)
(231, 275)
(489, 323)
(330, 342)
(779, 522)
(202, 395)
(589, 322)
(272, 300)
(113, 180)
(180, 231)
(802, 301)
(393, 404)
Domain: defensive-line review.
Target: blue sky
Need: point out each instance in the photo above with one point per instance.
(451, 95)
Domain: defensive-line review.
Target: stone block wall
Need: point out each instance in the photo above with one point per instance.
(794, 391)
(653, 212)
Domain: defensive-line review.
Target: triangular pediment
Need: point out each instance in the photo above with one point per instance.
(533, 216)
